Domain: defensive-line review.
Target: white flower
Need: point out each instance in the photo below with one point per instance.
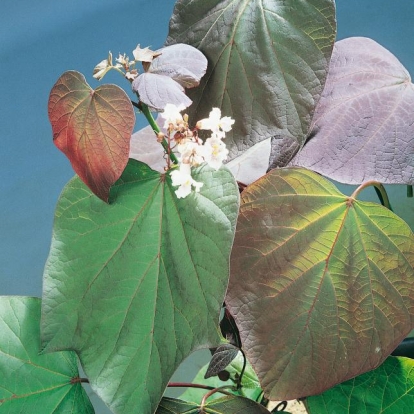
(105, 66)
(144, 55)
(215, 152)
(172, 116)
(101, 68)
(123, 60)
(182, 177)
(191, 152)
(131, 75)
(215, 123)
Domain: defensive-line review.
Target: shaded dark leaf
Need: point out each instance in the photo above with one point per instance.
(363, 127)
(229, 329)
(92, 128)
(321, 284)
(221, 358)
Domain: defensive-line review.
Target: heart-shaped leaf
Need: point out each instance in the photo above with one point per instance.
(225, 405)
(321, 285)
(363, 127)
(135, 286)
(267, 63)
(389, 389)
(92, 128)
(29, 382)
(221, 358)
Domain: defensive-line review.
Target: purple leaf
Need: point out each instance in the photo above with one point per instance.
(183, 63)
(158, 90)
(363, 127)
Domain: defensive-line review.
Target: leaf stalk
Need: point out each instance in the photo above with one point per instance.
(379, 189)
(147, 113)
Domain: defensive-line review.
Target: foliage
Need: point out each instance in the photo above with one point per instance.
(30, 382)
(320, 284)
(343, 298)
(388, 389)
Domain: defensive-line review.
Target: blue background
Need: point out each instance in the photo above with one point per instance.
(39, 41)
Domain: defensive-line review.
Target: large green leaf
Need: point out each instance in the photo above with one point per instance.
(92, 128)
(135, 286)
(268, 63)
(29, 382)
(389, 389)
(224, 405)
(321, 285)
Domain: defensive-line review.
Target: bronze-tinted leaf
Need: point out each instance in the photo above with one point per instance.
(363, 127)
(92, 128)
(321, 285)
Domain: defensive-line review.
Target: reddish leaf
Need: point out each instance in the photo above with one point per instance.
(321, 284)
(92, 128)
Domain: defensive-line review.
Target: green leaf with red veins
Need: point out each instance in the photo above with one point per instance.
(92, 128)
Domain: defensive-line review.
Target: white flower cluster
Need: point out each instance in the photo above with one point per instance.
(124, 64)
(193, 151)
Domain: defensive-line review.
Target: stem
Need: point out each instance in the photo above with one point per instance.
(409, 191)
(379, 189)
(239, 382)
(76, 380)
(189, 385)
(213, 391)
(145, 110)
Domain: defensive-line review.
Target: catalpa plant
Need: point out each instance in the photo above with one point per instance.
(305, 299)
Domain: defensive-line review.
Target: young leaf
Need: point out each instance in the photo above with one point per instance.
(29, 382)
(267, 63)
(221, 358)
(363, 127)
(389, 389)
(225, 405)
(156, 91)
(183, 63)
(176, 67)
(321, 284)
(136, 286)
(92, 128)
